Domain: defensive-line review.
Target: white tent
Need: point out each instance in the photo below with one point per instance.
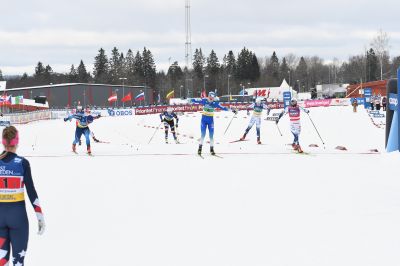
(273, 92)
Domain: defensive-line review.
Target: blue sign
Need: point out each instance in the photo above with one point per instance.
(361, 101)
(123, 112)
(393, 102)
(367, 96)
(287, 97)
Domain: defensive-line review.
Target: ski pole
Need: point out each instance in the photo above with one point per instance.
(279, 130)
(229, 124)
(155, 131)
(316, 130)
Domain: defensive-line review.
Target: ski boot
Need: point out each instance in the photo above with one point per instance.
(166, 141)
(177, 141)
(243, 138)
(212, 150)
(199, 150)
(80, 142)
(89, 151)
(74, 148)
(299, 150)
(294, 146)
(258, 140)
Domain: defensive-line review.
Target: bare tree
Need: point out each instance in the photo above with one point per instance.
(381, 46)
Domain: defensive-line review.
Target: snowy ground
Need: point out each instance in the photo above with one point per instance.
(135, 203)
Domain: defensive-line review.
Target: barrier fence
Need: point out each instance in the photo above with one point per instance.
(23, 118)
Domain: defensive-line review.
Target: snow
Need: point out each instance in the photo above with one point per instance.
(135, 203)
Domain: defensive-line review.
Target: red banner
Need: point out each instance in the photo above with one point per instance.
(196, 108)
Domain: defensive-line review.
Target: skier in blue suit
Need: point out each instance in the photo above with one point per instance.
(82, 128)
(207, 119)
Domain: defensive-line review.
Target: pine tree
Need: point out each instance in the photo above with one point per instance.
(174, 74)
(198, 63)
(39, 70)
(73, 74)
(130, 67)
(83, 75)
(115, 66)
(255, 68)
(212, 69)
(122, 66)
(372, 67)
(272, 71)
(48, 72)
(284, 71)
(230, 63)
(302, 75)
(101, 67)
(149, 68)
(138, 67)
(1, 76)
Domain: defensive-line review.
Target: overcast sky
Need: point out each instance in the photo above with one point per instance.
(61, 32)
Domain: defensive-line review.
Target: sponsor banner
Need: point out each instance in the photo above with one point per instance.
(341, 102)
(120, 112)
(317, 103)
(393, 102)
(287, 96)
(196, 108)
(378, 115)
(374, 112)
(367, 95)
(5, 123)
(361, 101)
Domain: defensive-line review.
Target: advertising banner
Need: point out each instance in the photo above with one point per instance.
(197, 108)
(393, 102)
(317, 103)
(287, 96)
(120, 112)
(367, 96)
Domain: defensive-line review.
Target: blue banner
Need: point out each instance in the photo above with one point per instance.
(287, 97)
(393, 102)
(361, 101)
(367, 96)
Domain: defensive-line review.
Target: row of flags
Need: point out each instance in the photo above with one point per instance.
(169, 95)
(126, 98)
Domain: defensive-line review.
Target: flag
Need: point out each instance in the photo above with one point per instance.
(4, 99)
(113, 98)
(140, 97)
(19, 99)
(127, 98)
(230, 97)
(170, 94)
(203, 94)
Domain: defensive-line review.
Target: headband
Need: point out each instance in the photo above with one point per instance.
(13, 142)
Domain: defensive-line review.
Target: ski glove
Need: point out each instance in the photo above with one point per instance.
(176, 126)
(42, 226)
(66, 119)
(307, 111)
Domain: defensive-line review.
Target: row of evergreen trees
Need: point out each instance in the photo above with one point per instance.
(228, 75)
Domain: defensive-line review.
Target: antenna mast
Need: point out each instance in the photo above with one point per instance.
(188, 49)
